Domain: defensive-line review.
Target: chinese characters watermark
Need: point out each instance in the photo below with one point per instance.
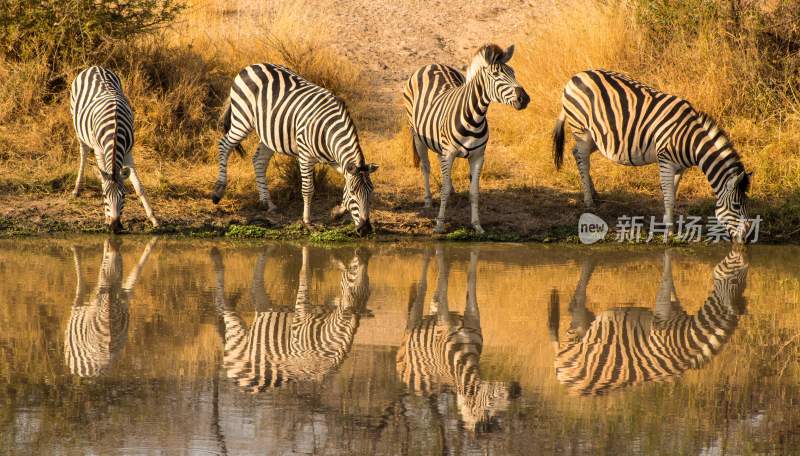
(592, 228)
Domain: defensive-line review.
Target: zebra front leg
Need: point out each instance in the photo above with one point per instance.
(425, 165)
(475, 166)
(582, 153)
(667, 172)
(446, 162)
(307, 179)
(137, 187)
(84, 151)
(261, 161)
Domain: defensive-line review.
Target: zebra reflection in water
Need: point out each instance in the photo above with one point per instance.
(440, 352)
(628, 346)
(301, 344)
(98, 329)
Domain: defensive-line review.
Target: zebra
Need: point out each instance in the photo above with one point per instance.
(303, 344)
(447, 114)
(295, 117)
(633, 124)
(103, 121)
(629, 346)
(98, 329)
(440, 352)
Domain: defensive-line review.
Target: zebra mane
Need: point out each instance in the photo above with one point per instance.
(713, 128)
(488, 54)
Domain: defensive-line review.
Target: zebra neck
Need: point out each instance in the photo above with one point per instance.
(474, 100)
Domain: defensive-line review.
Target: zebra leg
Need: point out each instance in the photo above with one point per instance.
(137, 187)
(230, 141)
(472, 316)
(84, 152)
(667, 172)
(446, 162)
(425, 166)
(417, 296)
(440, 305)
(582, 153)
(261, 161)
(581, 316)
(307, 179)
(666, 299)
(475, 166)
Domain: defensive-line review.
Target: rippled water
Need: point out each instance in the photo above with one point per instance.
(166, 346)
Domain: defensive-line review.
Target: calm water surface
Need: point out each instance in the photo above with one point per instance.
(160, 346)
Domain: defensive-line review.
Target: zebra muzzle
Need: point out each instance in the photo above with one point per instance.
(522, 99)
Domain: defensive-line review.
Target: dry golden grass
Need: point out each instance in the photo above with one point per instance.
(178, 81)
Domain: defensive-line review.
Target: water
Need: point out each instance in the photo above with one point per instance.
(209, 347)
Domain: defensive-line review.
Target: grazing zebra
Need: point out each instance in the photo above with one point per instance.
(298, 118)
(633, 124)
(447, 114)
(303, 344)
(629, 346)
(441, 352)
(97, 329)
(103, 121)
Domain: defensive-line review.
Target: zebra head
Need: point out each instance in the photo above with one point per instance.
(490, 64)
(114, 196)
(731, 209)
(358, 190)
(481, 408)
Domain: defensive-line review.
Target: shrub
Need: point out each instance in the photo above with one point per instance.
(71, 30)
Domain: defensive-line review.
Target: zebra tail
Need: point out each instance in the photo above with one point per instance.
(414, 153)
(558, 140)
(225, 125)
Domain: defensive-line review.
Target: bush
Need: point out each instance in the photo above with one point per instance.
(76, 30)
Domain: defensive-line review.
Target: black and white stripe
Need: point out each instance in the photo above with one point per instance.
(103, 121)
(447, 114)
(98, 329)
(441, 352)
(295, 117)
(303, 344)
(629, 346)
(633, 124)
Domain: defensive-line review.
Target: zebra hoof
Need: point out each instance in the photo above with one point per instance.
(268, 206)
(154, 222)
(215, 199)
(478, 229)
(428, 204)
(439, 229)
(76, 193)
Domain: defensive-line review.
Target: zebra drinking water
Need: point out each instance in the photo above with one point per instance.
(633, 124)
(447, 114)
(103, 121)
(632, 345)
(440, 352)
(295, 117)
(298, 344)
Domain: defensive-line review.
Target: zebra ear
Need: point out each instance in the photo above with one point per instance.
(371, 168)
(507, 55)
(125, 172)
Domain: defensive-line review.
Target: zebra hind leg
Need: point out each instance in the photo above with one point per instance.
(226, 144)
(425, 165)
(582, 153)
(261, 161)
(446, 162)
(84, 152)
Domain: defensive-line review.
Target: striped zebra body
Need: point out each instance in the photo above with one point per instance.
(103, 121)
(98, 329)
(628, 346)
(447, 114)
(441, 352)
(295, 117)
(633, 124)
(298, 346)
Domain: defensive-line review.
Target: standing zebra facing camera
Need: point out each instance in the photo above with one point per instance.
(295, 117)
(633, 124)
(447, 114)
(103, 121)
